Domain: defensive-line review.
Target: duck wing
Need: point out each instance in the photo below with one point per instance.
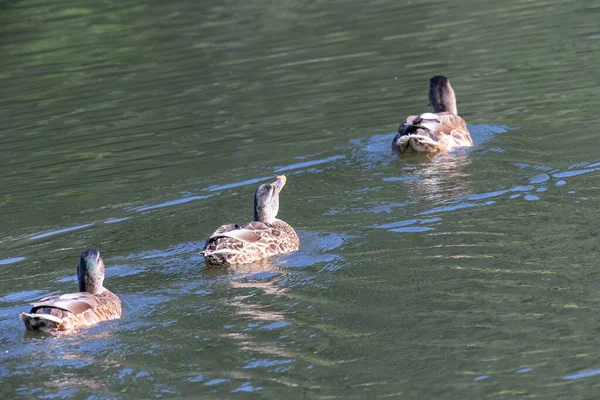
(234, 244)
(440, 131)
(456, 127)
(248, 233)
(73, 310)
(75, 303)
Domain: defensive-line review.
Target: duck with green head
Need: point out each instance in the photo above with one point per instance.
(438, 132)
(264, 237)
(92, 304)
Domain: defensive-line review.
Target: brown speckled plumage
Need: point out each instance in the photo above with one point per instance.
(437, 132)
(262, 238)
(74, 310)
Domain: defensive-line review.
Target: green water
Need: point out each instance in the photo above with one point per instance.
(140, 127)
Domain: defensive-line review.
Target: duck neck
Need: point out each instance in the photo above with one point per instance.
(91, 284)
(261, 215)
(91, 277)
(265, 210)
(442, 97)
(445, 107)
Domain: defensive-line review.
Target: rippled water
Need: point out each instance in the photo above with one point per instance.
(139, 128)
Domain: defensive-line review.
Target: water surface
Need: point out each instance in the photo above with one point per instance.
(139, 128)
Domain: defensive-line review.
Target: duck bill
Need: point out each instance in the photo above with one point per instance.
(280, 182)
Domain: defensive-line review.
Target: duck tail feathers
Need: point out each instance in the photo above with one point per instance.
(42, 322)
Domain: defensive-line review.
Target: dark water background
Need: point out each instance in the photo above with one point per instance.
(139, 127)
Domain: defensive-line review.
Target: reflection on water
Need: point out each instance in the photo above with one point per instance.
(439, 180)
(138, 128)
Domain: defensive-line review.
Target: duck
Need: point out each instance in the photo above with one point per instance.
(438, 132)
(92, 304)
(262, 238)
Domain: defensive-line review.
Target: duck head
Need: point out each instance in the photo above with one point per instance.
(441, 95)
(90, 272)
(266, 200)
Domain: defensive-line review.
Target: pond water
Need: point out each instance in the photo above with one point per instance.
(140, 127)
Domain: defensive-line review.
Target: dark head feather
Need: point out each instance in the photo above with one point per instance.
(90, 272)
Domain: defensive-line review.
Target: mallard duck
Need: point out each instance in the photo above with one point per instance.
(264, 237)
(437, 132)
(92, 304)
